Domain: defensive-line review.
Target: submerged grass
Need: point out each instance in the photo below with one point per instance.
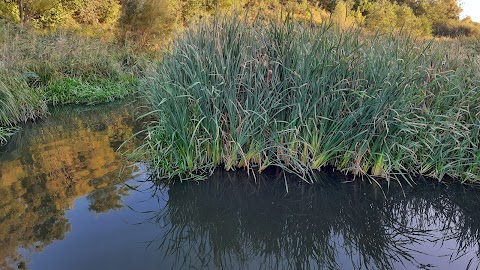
(254, 95)
(5, 133)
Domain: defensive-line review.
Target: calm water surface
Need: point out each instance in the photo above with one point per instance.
(68, 200)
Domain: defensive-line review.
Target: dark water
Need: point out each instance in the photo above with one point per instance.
(68, 200)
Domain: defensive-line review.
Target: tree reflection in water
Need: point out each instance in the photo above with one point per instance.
(47, 165)
(229, 222)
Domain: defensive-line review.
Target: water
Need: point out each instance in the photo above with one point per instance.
(68, 200)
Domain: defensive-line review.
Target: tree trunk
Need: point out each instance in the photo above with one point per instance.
(20, 11)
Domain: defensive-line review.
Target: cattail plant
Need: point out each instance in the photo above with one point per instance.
(253, 94)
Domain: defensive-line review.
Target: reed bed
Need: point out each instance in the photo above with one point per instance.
(300, 97)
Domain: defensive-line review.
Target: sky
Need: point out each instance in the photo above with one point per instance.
(471, 8)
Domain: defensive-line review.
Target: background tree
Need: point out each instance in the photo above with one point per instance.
(95, 12)
(38, 11)
(143, 21)
(147, 21)
(52, 13)
(344, 16)
(9, 11)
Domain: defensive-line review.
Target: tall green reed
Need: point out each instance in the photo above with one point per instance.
(18, 103)
(253, 95)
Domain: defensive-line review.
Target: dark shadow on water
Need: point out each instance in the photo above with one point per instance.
(232, 222)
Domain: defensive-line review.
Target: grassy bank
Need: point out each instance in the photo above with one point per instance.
(254, 95)
(38, 70)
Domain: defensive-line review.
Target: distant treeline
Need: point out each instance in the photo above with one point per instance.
(143, 20)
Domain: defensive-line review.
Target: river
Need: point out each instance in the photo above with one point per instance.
(70, 200)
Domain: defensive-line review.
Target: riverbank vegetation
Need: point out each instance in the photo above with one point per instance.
(371, 87)
(38, 70)
(253, 95)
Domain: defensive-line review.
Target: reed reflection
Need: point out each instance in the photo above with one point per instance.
(229, 222)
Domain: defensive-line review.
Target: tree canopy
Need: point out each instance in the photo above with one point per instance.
(146, 19)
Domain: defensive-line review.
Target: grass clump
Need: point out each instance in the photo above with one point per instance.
(73, 90)
(18, 103)
(254, 95)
